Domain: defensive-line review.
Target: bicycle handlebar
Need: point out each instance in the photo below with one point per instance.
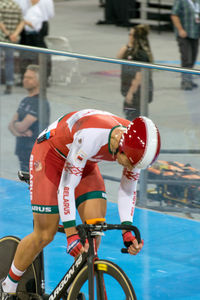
(129, 228)
(24, 176)
(86, 229)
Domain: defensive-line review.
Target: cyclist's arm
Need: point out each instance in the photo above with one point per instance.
(127, 195)
(80, 151)
(126, 206)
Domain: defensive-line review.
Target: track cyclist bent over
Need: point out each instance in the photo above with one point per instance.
(64, 175)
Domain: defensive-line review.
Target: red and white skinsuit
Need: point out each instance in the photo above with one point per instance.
(63, 165)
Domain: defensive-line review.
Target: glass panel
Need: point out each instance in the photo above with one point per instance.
(72, 83)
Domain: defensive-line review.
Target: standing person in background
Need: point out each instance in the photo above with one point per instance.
(24, 124)
(138, 49)
(11, 25)
(186, 20)
(47, 9)
(48, 12)
(33, 23)
(36, 28)
(24, 5)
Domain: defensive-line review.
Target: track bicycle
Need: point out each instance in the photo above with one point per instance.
(89, 277)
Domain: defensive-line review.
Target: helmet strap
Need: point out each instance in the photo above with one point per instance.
(115, 139)
(115, 153)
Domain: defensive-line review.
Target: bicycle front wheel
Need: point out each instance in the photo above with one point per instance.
(110, 283)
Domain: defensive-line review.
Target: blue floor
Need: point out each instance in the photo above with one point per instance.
(168, 267)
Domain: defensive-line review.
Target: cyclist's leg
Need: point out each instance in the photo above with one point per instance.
(45, 227)
(44, 164)
(90, 195)
(43, 193)
(91, 209)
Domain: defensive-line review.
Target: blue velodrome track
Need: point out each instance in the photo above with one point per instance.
(168, 267)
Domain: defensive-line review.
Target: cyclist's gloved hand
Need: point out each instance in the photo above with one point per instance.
(74, 245)
(131, 243)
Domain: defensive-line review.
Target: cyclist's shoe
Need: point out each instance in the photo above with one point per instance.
(4, 295)
(81, 296)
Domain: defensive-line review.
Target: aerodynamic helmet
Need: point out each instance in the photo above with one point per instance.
(141, 142)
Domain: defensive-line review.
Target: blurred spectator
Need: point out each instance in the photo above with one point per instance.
(137, 49)
(24, 124)
(186, 19)
(47, 10)
(101, 3)
(11, 24)
(33, 23)
(37, 18)
(36, 28)
(24, 5)
(118, 12)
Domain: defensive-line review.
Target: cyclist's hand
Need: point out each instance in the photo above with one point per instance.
(131, 243)
(74, 245)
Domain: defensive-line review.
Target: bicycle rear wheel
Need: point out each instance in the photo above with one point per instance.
(110, 280)
(30, 283)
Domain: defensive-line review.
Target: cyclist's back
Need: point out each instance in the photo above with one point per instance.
(88, 124)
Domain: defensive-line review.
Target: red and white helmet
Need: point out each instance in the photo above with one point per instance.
(141, 142)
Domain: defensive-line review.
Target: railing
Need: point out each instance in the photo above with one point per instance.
(145, 67)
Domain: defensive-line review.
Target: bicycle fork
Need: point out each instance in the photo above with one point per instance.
(100, 286)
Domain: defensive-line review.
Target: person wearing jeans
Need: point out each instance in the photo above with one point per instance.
(186, 20)
(11, 24)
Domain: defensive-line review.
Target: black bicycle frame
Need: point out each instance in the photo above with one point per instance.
(85, 258)
(92, 256)
(66, 281)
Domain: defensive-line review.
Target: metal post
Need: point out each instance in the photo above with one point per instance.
(42, 95)
(1, 136)
(144, 92)
(144, 112)
(143, 10)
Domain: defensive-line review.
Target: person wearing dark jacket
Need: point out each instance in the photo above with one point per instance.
(25, 122)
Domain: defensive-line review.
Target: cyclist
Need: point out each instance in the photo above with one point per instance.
(64, 175)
